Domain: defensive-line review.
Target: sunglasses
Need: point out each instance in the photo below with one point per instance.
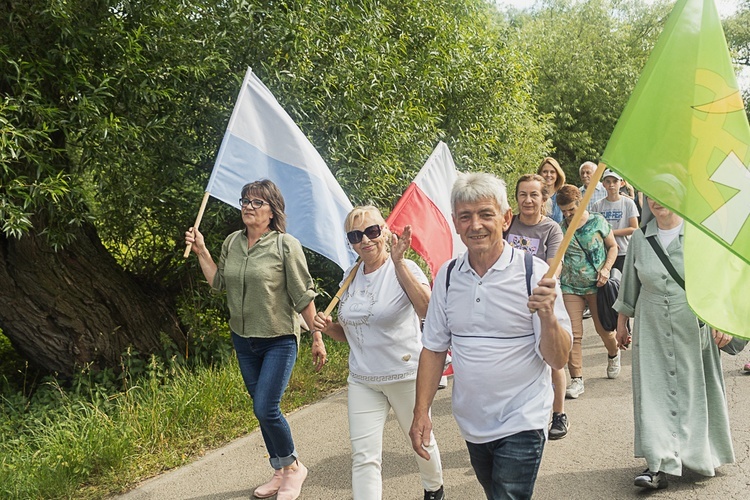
(371, 232)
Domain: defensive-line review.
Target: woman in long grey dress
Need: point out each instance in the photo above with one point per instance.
(679, 402)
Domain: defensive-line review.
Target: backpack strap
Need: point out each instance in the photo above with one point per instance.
(665, 261)
(451, 265)
(667, 264)
(528, 261)
(505, 233)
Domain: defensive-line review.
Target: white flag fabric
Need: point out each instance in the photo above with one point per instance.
(263, 142)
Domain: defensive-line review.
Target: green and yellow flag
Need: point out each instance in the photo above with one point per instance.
(684, 140)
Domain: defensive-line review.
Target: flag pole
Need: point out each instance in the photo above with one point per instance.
(344, 286)
(197, 222)
(575, 220)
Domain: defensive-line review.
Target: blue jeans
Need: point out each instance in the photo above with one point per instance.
(266, 365)
(507, 468)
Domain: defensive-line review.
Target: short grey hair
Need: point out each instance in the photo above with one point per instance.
(586, 164)
(474, 186)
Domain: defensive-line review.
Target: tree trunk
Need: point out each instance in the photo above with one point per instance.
(62, 310)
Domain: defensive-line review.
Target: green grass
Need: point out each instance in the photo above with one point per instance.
(87, 443)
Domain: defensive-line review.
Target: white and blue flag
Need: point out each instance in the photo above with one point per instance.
(263, 142)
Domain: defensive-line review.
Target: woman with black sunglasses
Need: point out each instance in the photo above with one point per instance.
(265, 275)
(379, 315)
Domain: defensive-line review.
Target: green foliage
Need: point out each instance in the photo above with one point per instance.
(588, 57)
(204, 315)
(109, 111)
(385, 80)
(113, 111)
(737, 32)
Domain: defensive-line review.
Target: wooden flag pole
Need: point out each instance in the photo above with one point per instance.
(344, 286)
(197, 221)
(575, 220)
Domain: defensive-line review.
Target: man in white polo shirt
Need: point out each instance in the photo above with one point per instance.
(502, 352)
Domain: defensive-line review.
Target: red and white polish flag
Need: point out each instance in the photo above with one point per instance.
(426, 207)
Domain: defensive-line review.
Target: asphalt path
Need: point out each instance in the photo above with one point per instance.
(595, 460)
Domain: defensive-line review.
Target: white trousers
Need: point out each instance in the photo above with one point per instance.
(368, 409)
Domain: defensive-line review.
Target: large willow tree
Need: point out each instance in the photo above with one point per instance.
(111, 114)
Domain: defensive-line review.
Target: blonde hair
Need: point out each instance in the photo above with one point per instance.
(357, 215)
(560, 174)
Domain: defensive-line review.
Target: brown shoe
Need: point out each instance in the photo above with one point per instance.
(291, 483)
(271, 487)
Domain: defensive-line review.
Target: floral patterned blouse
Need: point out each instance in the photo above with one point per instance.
(578, 275)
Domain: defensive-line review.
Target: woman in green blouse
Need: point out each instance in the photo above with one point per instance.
(264, 273)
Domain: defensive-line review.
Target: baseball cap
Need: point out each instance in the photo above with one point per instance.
(610, 173)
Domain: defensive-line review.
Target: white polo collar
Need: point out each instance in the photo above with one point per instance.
(500, 264)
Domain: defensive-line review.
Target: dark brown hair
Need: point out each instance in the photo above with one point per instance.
(268, 191)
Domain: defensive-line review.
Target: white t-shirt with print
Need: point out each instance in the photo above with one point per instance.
(618, 214)
(381, 326)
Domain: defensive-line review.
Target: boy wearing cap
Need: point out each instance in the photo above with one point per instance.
(621, 213)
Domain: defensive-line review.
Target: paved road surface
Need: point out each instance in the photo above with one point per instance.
(595, 460)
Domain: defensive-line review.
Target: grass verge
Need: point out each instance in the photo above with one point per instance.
(90, 444)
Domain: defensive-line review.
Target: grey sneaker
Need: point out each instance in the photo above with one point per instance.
(575, 388)
(613, 366)
(559, 427)
(651, 480)
(434, 495)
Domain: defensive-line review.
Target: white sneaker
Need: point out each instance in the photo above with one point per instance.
(443, 382)
(575, 388)
(613, 366)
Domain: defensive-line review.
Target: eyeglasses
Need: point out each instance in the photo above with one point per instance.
(255, 203)
(371, 232)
